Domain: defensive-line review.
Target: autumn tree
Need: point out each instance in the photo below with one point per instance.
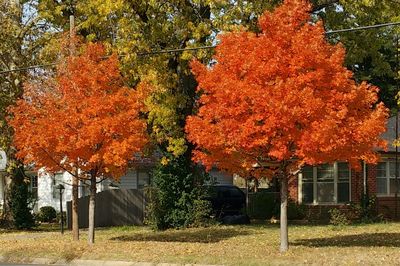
(82, 120)
(281, 99)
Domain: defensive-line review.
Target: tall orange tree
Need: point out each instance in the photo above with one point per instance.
(82, 120)
(281, 99)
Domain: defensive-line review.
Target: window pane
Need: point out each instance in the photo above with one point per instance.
(393, 185)
(34, 181)
(58, 178)
(307, 193)
(343, 171)
(381, 185)
(381, 169)
(84, 188)
(307, 173)
(325, 172)
(392, 169)
(35, 193)
(33, 185)
(325, 192)
(343, 192)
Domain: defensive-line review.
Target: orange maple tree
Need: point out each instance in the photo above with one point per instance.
(281, 99)
(82, 120)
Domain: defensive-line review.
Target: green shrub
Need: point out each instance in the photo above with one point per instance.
(338, 218)
(47, 214)
(20, 201)
(177, 195)
(366, 210)
(202, 211)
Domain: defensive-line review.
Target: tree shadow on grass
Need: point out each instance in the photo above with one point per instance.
(43, 228)
(360, 240)
(203, 235)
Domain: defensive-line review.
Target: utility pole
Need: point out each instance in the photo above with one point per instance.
(397, 134)
(75, 179)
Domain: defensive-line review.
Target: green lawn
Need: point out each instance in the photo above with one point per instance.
(230, 245)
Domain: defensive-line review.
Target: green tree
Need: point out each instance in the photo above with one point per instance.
(22, 35)
(176, 197)
(20, 201)
(371, 54)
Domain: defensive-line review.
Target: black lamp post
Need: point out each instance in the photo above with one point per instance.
(61, 188)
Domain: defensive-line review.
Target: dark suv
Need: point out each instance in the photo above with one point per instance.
(227, 200)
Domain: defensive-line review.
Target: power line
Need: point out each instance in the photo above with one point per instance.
(138, 54)
(166, 51)
(176, 50)
(363, 28)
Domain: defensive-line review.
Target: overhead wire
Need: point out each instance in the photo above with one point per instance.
(177, 50)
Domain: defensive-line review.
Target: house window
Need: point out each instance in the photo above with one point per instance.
(386, 178)
(57, 179)
(143, 179)
(84, 187)
(325, 183)
(33, 186)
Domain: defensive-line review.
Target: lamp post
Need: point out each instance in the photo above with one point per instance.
(61, 188)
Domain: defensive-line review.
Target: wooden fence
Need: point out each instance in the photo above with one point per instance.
(113, 207)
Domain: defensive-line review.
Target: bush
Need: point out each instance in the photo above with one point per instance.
(47, 214)
(20, 201)
(177, 195)
(366, 210)
(338, 218)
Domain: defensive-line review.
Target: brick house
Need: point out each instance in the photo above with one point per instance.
(326, 186)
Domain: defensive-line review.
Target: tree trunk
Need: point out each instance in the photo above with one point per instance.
(4, 215)
(283, 220)
(92, 205)
(75, 218)
(247, 195)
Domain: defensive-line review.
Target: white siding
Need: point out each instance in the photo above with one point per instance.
(221, 178)
(46, 187)
(129, 180)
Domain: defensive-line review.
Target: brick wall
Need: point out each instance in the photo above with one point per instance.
(371, 183)
(356, 185)
(294, 188)
(321, 212)
(387, 207)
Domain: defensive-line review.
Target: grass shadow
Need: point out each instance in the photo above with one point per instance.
(359, 240)
(203, 235)
(36, 229)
